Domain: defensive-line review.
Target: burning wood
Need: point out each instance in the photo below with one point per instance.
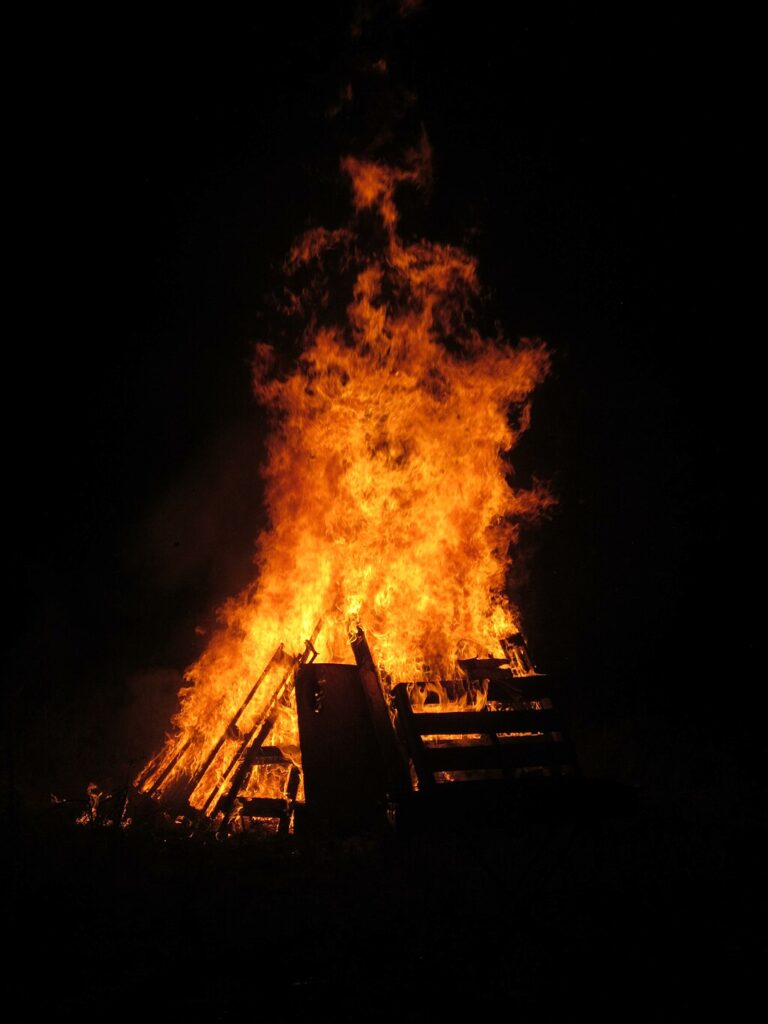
(390, 504)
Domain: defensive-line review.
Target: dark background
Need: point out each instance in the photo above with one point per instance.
(585, 158)
(595, 164)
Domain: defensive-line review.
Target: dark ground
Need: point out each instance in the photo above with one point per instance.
(596, 165)
(654, 919)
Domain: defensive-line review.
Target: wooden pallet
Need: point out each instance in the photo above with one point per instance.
(512, 761)
(520, 741)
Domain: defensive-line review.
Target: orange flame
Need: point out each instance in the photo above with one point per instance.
(386, 480)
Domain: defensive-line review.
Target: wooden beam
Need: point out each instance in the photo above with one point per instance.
(523, 753)
(393, 758)
(446, 723)
(200, 773)
(412, 737)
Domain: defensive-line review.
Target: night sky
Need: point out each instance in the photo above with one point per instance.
(583, 157)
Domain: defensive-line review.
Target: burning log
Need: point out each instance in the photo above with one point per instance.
(397, 505)
(231, 726)
(161, 776)
(513, 763)
(253, 741)
(516, 650)
(504, 744)
(395, 764)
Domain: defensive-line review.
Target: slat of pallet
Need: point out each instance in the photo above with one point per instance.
(294, 778)
(411, 738)
(269, 755)
(264, 807)
(485, 668)
(516, 754)
(527, 688)
(432, 723)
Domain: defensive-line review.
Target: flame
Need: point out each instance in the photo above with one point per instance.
(386, 479)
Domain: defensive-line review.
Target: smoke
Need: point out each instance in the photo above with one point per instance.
(196, 540)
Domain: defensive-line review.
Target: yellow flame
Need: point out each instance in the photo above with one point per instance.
(386, 480)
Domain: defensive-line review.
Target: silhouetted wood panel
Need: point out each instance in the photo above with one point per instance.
(525, 688)
(518, 754)
(392, 755)
(494, 750)
(345, 775)
(458, 722)
(264, 807)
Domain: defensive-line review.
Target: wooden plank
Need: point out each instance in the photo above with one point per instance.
(346, 783)
(264, 807)
(251, 746)
(169, 767)
(486, 668)
(504, 686)
(393, 759)
(526, 688)
(294, 778)
(411, 737)
(269, 755)
(222, 797)
(522, 753)
(231, 725)
(459, 722)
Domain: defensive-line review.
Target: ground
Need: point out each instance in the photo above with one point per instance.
(651, 918)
